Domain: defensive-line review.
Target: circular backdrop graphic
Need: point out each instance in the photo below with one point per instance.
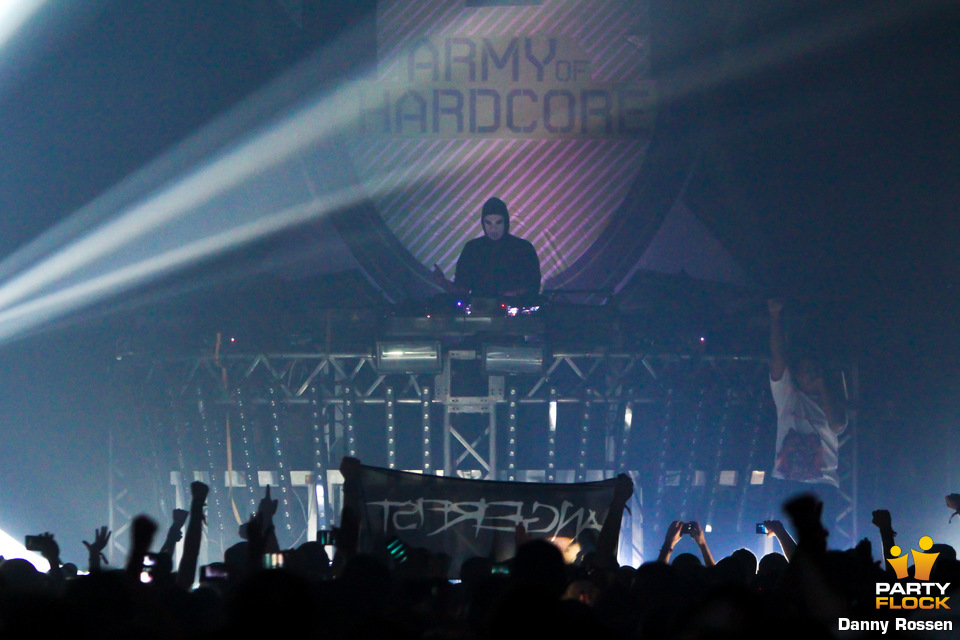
(546, 105)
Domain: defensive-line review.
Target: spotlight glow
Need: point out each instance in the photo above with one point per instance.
(252, 190)
(13, 14)
(10, 549)
(247, 177)
(192, 204)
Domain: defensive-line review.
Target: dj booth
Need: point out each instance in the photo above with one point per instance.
(485, 389)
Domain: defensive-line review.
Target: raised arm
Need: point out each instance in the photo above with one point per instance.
(175, 532)
(141, 537)
(610, 532)
(258, 541)
(883, 522)
(787, 543)
(670, 541)
(191, 542)
(696, 532)
(95, 549)
(267, 509)
(806, 512)
(50, 550)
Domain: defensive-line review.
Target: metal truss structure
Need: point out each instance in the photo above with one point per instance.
(696, 431)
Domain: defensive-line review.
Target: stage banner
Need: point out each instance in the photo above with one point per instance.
(466, 518)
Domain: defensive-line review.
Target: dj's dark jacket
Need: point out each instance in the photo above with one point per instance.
(493, 267)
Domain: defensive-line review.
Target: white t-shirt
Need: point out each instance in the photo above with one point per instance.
(807, 448)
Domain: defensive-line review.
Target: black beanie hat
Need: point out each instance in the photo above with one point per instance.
(496, 207)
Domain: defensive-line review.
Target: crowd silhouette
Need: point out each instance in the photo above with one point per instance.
(802, 592)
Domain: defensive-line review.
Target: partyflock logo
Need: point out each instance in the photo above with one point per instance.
(916, 596)
(920, 593)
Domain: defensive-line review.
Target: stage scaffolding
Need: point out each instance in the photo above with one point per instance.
(696, 431)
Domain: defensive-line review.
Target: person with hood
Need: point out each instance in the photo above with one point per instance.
(497, 263)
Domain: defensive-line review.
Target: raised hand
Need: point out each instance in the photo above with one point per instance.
(175, 532)
(199, 492)
(142, 530)
(191, 540)
(623, 490)
(953, 501)
(48, 547)
(267, 507)
(674, 532)
(882, 520)
(806, 511)
(50, 550)
(774, 527)
(180, 517)
(95, 549)
(696, 532)
(261, 539)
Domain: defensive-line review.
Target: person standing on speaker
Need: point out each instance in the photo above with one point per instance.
(809, 418)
